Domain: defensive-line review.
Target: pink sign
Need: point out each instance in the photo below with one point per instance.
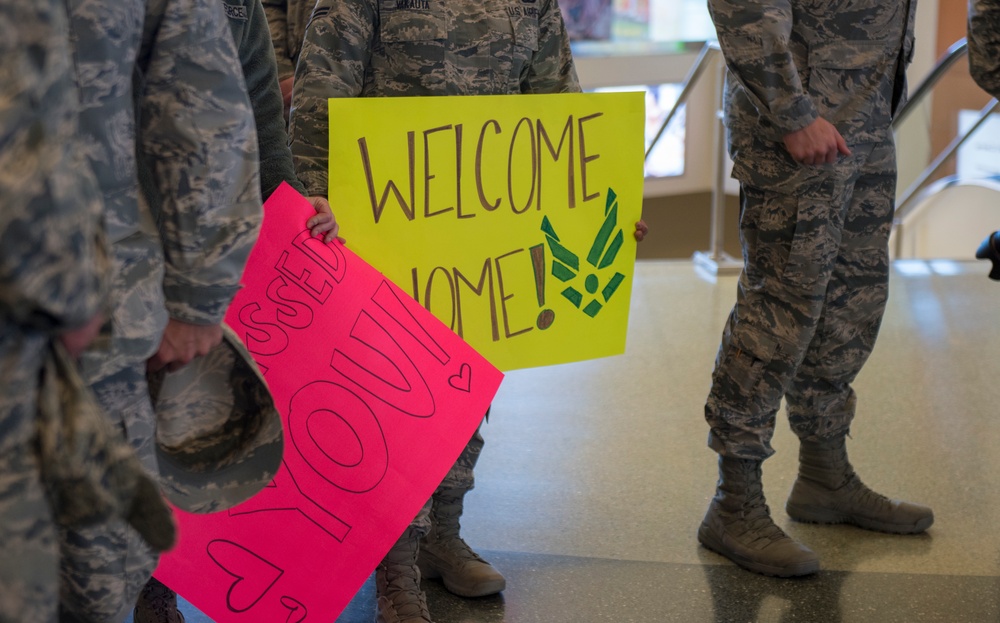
(378, 399)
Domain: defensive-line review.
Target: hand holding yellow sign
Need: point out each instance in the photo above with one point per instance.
(509, 217)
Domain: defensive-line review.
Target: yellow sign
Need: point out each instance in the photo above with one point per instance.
(509, 217)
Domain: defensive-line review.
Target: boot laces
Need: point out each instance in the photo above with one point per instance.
(757, 515)
(457, 546)
(861, 495)
(839, 464)
(403, 590)
(757, 518)
(446, 514)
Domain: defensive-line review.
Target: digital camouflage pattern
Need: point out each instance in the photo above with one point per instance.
(53, 259)
(197, 135)
(104, 566)
(160, 81)
(287, 20)
(815, 238)
(53, 276)
(793, 61)
(984, 44)
(384, 48)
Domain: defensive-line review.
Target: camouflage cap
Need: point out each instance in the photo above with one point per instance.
(91, 474)
(219, 437)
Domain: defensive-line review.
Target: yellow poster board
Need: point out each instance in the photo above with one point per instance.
(509, 217)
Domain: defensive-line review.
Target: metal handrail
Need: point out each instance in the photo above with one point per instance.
(705, 58)
(952, 55)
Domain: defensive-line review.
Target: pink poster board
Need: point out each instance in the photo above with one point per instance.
(378, 399)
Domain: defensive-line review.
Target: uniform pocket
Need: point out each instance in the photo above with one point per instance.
(415, 48)
(401, 26)
(814, 245)
(513, 51)
(844, 81)
(525, 32)
(792, 235)
(742, 366)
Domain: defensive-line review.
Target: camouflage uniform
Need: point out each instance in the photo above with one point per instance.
(815, 238)
(52, 275)
(984, 44)
(371, 48)
(158, 81)
(383, 48)
(287, 20)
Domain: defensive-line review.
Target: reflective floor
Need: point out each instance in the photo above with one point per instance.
(595, 475)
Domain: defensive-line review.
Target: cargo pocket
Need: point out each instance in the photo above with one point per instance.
(819, 222)
(844, 80)
(742, 367)
(420, 35)
(516, 49)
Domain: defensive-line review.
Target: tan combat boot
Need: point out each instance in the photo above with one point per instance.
(738, 525)
(157, 603)
(828, 491)
(397, 584)
(445, 555)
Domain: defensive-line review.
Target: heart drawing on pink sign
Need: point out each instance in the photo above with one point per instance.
(463, 380)
(254, 575)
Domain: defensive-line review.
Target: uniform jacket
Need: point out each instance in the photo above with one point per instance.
(792, 61)
(61, 464)
(368, 48)
(163, 93)
(984, 44)
(253, 44)
(53, 257)
(157, 82)
(287, 20)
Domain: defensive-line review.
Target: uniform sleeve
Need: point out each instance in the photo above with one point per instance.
(552, 69)
(197, 132)
(261, 75)
(335, 52)
(53, 254)
(277, 22)
(984, 44)
(754, 39)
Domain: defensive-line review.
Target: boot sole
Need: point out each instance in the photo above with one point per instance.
(825, 516)
(708, 539)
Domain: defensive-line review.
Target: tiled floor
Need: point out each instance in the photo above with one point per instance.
(595, 475)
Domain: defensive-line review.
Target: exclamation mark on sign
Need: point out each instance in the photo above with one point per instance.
(546, 316)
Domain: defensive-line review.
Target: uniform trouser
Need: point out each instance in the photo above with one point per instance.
(29, 554)
(809, 304)
(103, 568)
(460, 477)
